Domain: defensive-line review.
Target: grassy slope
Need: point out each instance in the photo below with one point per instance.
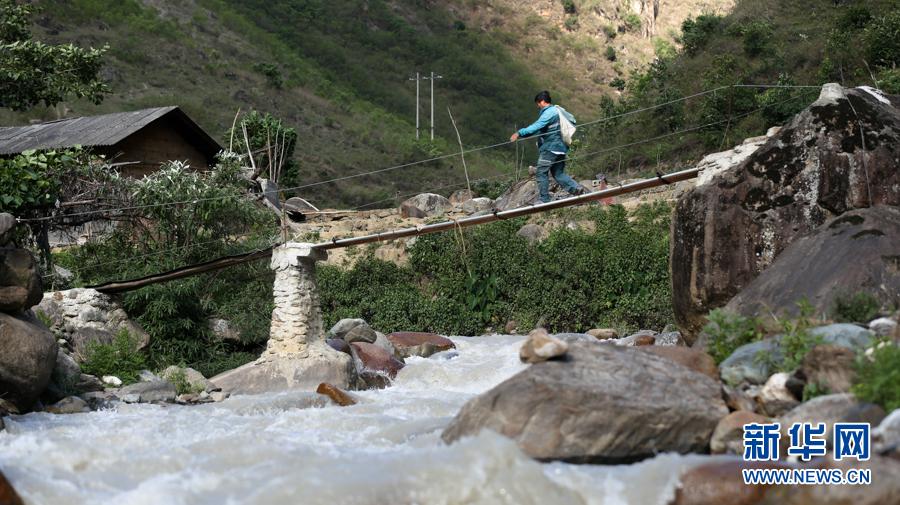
(345, 64)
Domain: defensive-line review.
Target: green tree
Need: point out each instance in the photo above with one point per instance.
(33, 73)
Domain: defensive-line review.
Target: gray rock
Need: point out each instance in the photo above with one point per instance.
(886, 436)
(147, 376)
(88, 383)
(532, 233)
(850, 336)
(112, 380)
(218, 396)
(195, 380)
(751, 363)
(643, 337)
(730, 229)
(158, 391)
(20, 281)
(728, 437)
(63, 275)
(100, 400)
(603, 404)
(571, 338)
(83, 316)
(425, 205)
(540, 346)
(343, 326)
(830, 409)
(460, 195)
(525, 192)
(774, 398)
(477, 205)
(322, 364)
(69, 405)
(883, 326)
(64, 379)
(27, 358)
(361, 333)
(223, 330)
(382, 341)
(7, 228)
(669, 339)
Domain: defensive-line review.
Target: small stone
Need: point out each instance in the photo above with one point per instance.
(187, 398)
(511, 327)
(728, 437)
(111, 380)
(671, 338)
(218, 396)
(69, 405)
(88, 383)
(883, 326)
(541, 346)
(829, 368)
(361, 333)
(336, 394)
(158, 391)
(603, 333)
(343, 326)
(643, 337)
(147, 376)
(338, 344)
(775, 399)
(737, 399)
(99, 400)
(408, 343)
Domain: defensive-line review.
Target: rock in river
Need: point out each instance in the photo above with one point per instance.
(409, 343)
(604, 404)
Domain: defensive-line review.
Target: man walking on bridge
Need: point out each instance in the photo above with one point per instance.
(551, 148)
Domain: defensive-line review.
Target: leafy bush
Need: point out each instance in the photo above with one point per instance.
(881, 40)
(796, 340)
(460, 282)
(695, 33)
(878, 377)
(610, 53)
(633, 22)
(860, 307)
(119, 358)
(727, 331)
(271, 73)
(571, 23)
(618, 83)
(757, 37)
(569, 6)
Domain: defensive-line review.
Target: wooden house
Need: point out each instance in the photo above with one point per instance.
(136, 142)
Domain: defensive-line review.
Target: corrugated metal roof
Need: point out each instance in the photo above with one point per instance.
(89, 131)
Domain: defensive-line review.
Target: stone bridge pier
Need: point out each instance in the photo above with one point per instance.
(297, 318)
(296, 355)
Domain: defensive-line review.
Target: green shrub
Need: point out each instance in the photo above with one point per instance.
(633, 22)
(878, 377)
(881, 41)
(727, 331)
(695, 33)
(757, 37)
(618, 83)
(796, 340)
(571, 23)
(610, 53)
(272, 74)
(119, 358)
(569, 6)
(609, 31)
(859, 307)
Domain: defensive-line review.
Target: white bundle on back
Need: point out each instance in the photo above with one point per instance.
(566, 125)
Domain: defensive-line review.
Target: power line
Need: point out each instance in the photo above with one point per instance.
(405, 165)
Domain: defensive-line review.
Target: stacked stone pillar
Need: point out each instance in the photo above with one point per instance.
(297, 318)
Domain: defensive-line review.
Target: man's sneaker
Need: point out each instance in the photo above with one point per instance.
(581, 191)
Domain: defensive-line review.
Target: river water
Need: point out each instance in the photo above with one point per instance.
(287, 448)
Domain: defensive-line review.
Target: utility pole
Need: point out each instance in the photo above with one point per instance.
(432, 78)
(417, 79)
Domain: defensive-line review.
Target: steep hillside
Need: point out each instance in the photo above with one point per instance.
(338, 71)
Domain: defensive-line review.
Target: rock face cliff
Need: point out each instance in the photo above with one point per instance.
(839, 154)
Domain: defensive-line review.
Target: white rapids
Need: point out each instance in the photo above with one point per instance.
(277, 449)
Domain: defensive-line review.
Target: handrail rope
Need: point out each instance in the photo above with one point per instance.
(404, 165)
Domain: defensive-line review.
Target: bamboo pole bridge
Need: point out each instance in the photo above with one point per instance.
(229, 261)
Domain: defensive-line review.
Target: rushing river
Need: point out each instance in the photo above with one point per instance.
(279, 449)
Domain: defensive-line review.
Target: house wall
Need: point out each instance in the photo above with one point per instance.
(157, 143)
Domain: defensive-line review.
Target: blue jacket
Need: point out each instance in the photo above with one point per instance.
(547, 126)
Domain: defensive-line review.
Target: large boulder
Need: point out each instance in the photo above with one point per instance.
(830, 409)
(476, 205)
(153, 391)
(525, 192)
(603, 404)
(82, 316)
(20, 280)
(425, 205)
(27, 358)
(268, 374)
(856, 252)
(726, 231)
(375, 365)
